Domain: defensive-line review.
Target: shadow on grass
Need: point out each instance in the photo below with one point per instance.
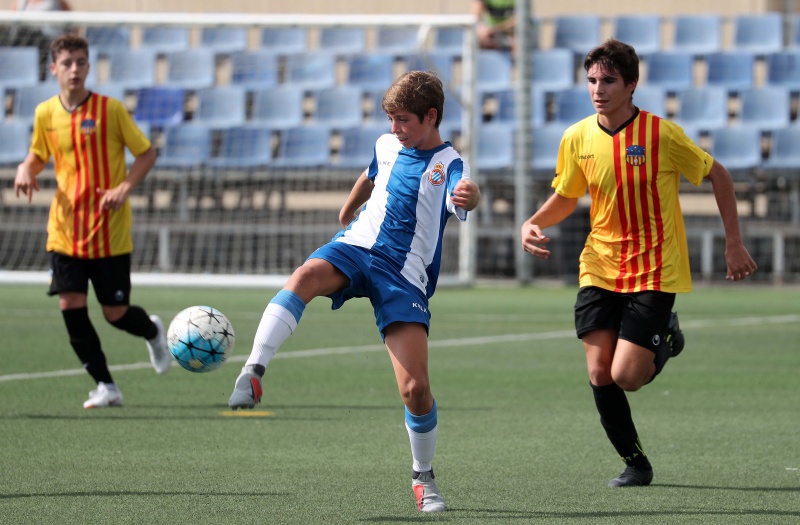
(143, 493)
(714, 487)
(497, 514)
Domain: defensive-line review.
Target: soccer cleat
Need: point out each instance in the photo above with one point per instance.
(632, 476)
(105, 395)
(675, 337)
(157, 346)
(426, 492)
(247, 390)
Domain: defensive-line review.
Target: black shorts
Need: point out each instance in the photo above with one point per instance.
(110, 277)
(640, 317)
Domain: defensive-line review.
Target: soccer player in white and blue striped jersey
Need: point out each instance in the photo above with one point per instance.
(390, 252)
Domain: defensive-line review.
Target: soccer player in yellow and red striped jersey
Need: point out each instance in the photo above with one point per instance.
(89, 229)
(635, 258)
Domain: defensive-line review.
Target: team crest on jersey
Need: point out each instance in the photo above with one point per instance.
(436, 175)
(634, 155)
(88, 127)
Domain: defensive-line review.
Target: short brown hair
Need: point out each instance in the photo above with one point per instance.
(416, 92)
(69, 43)
(617, 56)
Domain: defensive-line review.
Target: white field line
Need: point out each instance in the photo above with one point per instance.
(489, 341)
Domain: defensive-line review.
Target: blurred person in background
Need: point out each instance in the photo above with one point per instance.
(39, 36)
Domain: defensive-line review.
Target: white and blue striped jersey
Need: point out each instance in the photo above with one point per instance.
(405, 216)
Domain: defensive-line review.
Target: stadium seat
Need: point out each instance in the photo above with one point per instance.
(311, 71)
(191, 69)
(702, 109)
(436, 61)
(671, 70)
(732, 70)
(784, 153)
(372, 72)
(544, 154)
(358, 145)
(254, 69)
(284, 40)
(106, 38)
(165, 39)
(449, 40)
(578, 33)
(185, 146)
(224, 39)
(451, 112)
(783, 69)
(132, 68)
(572, 105)
(493, 70)
(738, 149)
(221, 106)
(160, 106)
(26, 100)
(343, 40)
(552, 69)
(766, 108)
(495, 146)
(19, 67)
(652, 99)
(243, 148)
(14, 141)
(396, 40)
(339, 107)
(643, 32)
(699, 35)
(758, 33)
(507, 106)
(278, 107)
(303, 147)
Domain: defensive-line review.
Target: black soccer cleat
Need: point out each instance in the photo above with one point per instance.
(633, 476)
(675, 338)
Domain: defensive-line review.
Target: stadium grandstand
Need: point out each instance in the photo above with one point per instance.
(263, 115)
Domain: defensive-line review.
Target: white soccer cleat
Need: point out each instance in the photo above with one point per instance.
(105, 395)
(159, 353)
(247, 390)
(426, 492)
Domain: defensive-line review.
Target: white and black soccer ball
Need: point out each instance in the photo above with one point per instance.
(200, 338)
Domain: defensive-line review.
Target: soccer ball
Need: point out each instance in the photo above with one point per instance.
(200, 338)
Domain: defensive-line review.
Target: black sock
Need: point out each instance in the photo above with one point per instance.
(662, 354)
(137, 322)
(86, 344)
(615, 416)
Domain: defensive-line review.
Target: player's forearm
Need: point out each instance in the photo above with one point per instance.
(552, 212)
(33, 164)
(140, 168)
(725, 195)
(360, 193)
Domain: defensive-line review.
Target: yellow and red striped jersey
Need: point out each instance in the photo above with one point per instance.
(637, 240)
(88, 147)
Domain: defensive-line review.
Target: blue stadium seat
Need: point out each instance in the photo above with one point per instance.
(358, 145)
(221, 106)
(165, 39)
(108, 38)
(278, 107)
(305, 146)
(370, 71)
(758, 33)
(697, 34)
(132, 68)
(784, 153)
(449, 40)
(572, 105)
(339, 107)
(185, 146)
(702, 109)
(671, 70)
(284, 40)
(553, 69)
(451, 112)
(732, 70)
(396, 40)
(14, 142)
(19, 67)
(783, 69)
(544, 155)
(343, 40)
(507, 106)
(243, 148)
(495, 146)
(26, 100)
(738, 149)
(254, 69)
(191, 69)
(767, 108)
(224, 39)
(160, 106)
(311, 71)
(652, 99)
(578, 33)
(643, 32)
(493, 70)
(436, 61)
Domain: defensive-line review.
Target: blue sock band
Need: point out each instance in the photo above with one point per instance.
(291, 302)
(422, 424)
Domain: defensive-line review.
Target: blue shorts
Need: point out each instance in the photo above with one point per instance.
(393, 298)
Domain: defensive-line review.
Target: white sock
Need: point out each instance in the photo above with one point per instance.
(423, 447)
(276, 325)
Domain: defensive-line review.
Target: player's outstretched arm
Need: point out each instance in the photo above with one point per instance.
(25, 179)
(360, 193)
(552, 212)
(737, 258)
